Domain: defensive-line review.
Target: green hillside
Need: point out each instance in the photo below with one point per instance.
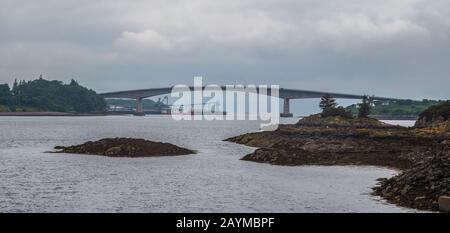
(398, 108)
(53, 96)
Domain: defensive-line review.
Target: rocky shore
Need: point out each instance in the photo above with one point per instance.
(420, 186)
(359, 141)
(339, 141)
(125, 147)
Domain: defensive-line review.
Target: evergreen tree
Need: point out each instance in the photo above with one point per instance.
(14, 88)
(330, 108)
(73, 82)
(327, 103)
(54, 96)
(5, 94)
(364, 107)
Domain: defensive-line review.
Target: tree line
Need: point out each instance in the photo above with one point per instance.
(53, 96)
(331, 109)
(398, 107)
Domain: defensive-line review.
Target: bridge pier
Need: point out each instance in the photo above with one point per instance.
(139, 108)
(286, 108)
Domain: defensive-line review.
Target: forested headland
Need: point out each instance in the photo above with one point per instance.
(43, 95)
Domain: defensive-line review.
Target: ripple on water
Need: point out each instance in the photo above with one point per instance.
(214, 179)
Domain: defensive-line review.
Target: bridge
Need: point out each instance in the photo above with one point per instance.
(285, 94)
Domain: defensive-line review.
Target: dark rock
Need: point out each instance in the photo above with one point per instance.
(421, 186)
(337, 121)
(322, 144)
(339, 141)
(444, 204)
(125, 147)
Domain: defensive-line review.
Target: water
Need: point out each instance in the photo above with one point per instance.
(213, 180)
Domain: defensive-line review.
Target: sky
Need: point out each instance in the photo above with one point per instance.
(389, 48)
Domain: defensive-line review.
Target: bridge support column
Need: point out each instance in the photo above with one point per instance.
(139, 108)
(286, 108)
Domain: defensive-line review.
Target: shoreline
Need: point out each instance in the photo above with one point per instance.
(360, 142)
(393, 148)
(45, 114)
(64, 114)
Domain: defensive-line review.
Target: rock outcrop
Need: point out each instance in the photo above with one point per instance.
(341, 141)
(125, 147)
(436, 118)
(341, 122)
(421, 186)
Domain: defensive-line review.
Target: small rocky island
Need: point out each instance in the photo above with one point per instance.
(336, 138)
(125, 147)
(341, 141)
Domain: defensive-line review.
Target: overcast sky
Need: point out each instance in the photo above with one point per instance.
(398, 48)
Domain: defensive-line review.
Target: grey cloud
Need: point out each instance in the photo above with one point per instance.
(396, 48)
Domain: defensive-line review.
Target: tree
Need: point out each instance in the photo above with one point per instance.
(5, 94)
(397, 107)
(15, 86)
(330, 108)
(364, 107)
(55, 96)
(73, 82)
(327, 102)
(4, 90)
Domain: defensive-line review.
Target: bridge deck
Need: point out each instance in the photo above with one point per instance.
(283, 93)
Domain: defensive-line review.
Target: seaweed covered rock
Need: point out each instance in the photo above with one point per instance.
(351, 142)
(125, 147)
(338, 121)
(421, 186)
(317, 140)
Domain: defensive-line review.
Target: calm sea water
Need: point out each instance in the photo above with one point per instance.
(213, 180)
